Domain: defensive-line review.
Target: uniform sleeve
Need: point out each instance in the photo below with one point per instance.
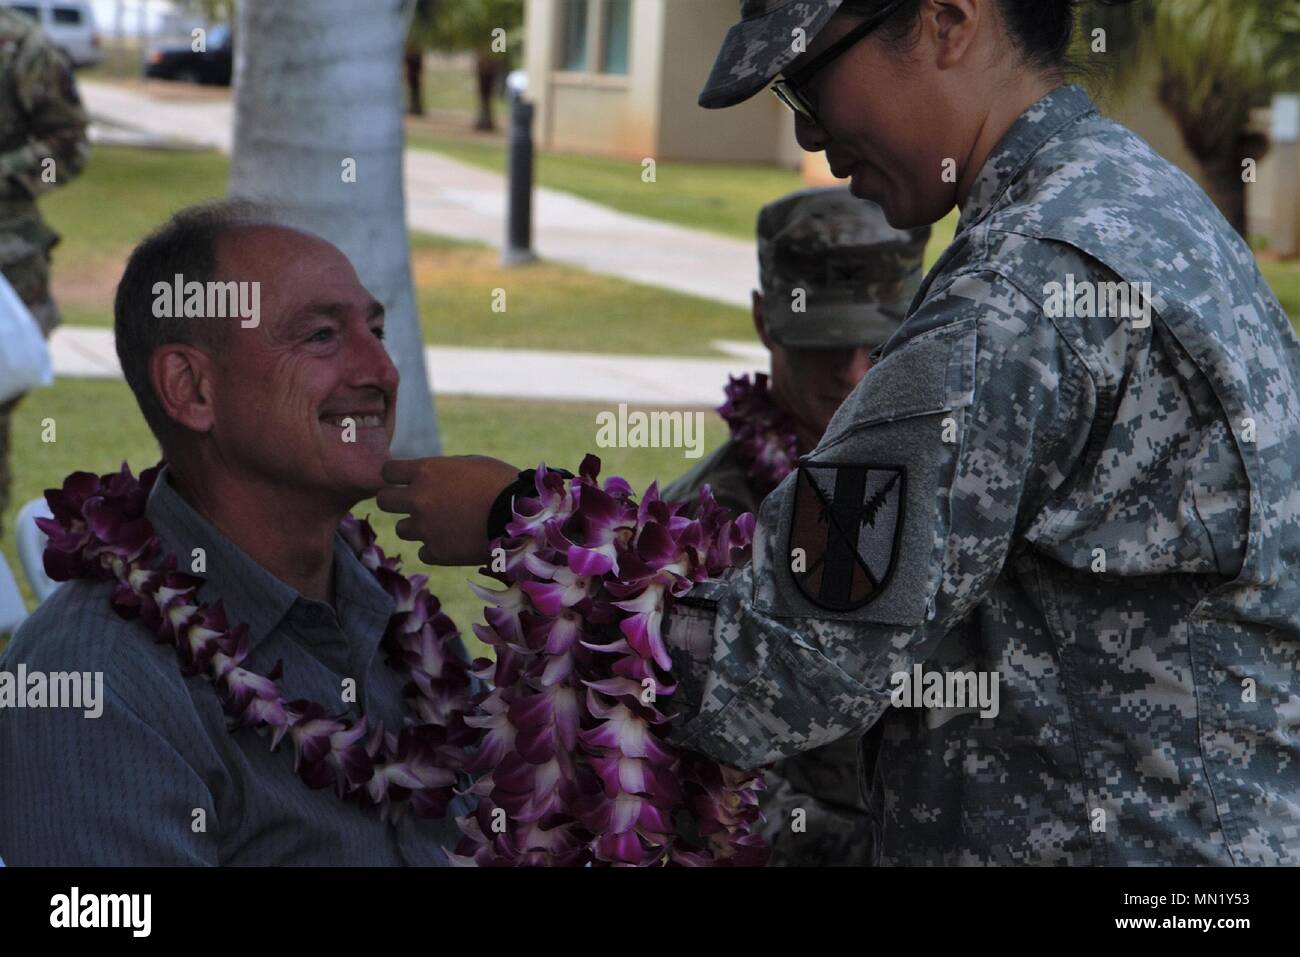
(891, 532)
(47, 94)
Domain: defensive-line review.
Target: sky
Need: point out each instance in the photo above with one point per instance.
(106, 15)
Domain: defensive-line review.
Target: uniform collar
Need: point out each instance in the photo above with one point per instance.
(1029, 134)
(249, 593)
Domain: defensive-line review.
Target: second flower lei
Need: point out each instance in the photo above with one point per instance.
(763, 433)
(576, 764)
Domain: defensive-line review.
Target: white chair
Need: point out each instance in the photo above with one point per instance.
(31, 546)
(12, 610)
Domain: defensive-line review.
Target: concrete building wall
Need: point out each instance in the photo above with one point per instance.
(589, 111)
(540, 43)
(1273, 201)
(758, 131)
(652, 110)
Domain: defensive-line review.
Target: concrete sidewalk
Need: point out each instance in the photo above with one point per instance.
(526, 375)
(452, 199)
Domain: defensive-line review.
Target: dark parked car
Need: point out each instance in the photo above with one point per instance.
(181, 62)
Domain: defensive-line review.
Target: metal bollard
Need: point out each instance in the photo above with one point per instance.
(519, 214)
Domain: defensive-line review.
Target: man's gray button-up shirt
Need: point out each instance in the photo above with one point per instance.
(157, 779)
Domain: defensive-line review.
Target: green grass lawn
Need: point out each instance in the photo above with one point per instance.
(455, 91)
(123, 194)
(551, 306)
(98, 427)
(548, 306)
(1284, 279)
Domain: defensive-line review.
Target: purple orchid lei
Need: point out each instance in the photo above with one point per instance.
(575, 766)
(99, 531)
(763, 433)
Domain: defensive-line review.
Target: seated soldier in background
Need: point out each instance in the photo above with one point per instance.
(836, 280)
(43, 146)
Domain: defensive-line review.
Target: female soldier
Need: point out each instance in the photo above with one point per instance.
(1052, 542)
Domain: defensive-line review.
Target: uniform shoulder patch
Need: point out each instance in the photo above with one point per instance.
(846, 525)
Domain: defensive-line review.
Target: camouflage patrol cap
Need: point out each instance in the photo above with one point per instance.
(834, 272)
(761, 45)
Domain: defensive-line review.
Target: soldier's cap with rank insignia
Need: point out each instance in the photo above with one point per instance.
(761, 45)
(834, 273)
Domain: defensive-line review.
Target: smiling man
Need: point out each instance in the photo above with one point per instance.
(272, 433)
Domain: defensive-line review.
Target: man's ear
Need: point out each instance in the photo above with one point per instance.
(181, 376)
(760, 322)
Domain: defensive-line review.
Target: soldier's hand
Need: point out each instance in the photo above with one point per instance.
(446, 500)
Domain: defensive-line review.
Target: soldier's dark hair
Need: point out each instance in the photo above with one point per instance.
(1040, 29)
(185, 245)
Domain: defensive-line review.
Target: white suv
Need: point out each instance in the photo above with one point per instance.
(69, 23)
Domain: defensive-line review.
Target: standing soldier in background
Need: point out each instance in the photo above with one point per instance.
(836, 282)
(42, 146)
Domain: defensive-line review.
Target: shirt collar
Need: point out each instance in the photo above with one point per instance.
(249, 593)
(1029, 134)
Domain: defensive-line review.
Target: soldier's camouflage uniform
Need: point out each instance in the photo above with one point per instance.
(858, 275)
(1149, 711)
(42, 145)
(834, 826)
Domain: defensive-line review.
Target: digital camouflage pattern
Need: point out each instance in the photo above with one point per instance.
(834, 273)
(834, 827)
(41, 119)
(1100, 512)
(42, 141)
(762, 44)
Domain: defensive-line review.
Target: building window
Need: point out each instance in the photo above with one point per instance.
(575, 35)
(617, 15)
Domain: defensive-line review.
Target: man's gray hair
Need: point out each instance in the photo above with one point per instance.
(186, 245)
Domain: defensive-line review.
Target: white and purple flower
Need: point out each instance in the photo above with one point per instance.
(576, 766)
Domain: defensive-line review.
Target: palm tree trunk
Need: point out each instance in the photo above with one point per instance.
(316, 86)
(1216, 131)
(1226, 189)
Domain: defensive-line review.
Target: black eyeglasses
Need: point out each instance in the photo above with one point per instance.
(790, 90)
